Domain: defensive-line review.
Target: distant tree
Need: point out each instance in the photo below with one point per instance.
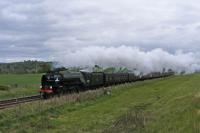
(170, 70)
(60, 69)
(163, 70)
(97, 68)
(44, 68)
(183, 72)
(110, 70)
(123, 70)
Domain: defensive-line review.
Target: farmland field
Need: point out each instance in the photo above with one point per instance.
(170, 105)
(15, 85)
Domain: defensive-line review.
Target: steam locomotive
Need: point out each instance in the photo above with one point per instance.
(56, 83)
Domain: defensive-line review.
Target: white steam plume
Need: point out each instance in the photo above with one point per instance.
(130, 57)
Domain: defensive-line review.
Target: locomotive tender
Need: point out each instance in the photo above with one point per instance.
(53, 82)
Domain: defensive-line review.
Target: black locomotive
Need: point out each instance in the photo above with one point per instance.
(53, 82)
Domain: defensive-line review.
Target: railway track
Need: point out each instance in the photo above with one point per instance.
(15, 101)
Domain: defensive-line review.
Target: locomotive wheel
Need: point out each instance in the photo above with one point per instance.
(44, 96)
(76, 89)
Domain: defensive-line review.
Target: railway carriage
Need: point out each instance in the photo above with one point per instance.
(93, 79)
(151, 76)
(157, 74)
(133, 77)
(115, 78)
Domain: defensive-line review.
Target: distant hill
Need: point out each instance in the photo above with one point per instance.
(25, 67)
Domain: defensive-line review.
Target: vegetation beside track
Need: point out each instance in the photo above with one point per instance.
(154, 106)
(17, 85)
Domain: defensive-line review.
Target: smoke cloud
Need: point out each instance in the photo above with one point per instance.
(132, 58)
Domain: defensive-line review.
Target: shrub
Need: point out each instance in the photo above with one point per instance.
(4, 88)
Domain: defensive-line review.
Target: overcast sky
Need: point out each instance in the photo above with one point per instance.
(48, 29)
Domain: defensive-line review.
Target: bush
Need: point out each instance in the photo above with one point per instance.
(4, 88)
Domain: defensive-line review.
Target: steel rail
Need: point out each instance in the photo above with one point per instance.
(15, 101)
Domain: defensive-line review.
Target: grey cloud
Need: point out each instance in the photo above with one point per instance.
(117, 22)
(24, 29)
(44, 29)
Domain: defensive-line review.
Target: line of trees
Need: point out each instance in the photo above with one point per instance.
(25, 67)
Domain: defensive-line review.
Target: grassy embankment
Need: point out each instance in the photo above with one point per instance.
(169, 105)
(15, 85)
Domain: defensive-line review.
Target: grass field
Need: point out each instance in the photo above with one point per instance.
(169, 105)
(12, 85)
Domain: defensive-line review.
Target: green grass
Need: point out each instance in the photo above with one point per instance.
(169, 105)
(15, 85)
